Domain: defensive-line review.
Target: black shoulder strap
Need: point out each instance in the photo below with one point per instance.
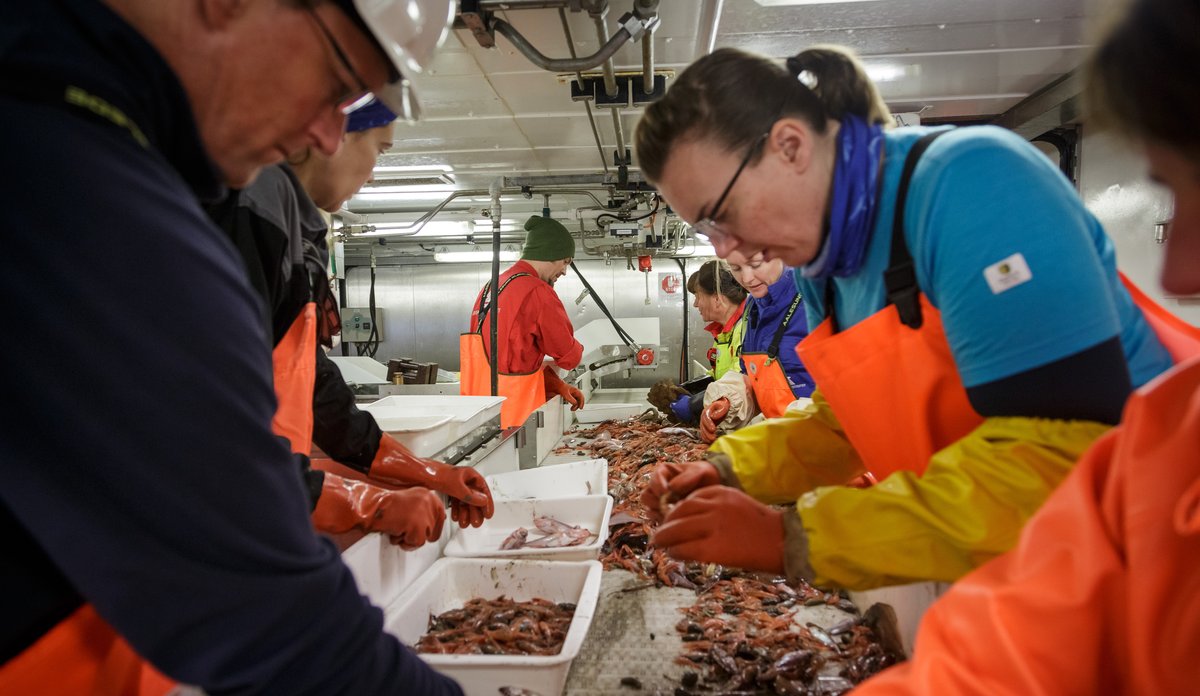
(900, 278)
(483, 300)
(773, 349)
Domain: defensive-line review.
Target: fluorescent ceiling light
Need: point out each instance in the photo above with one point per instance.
(472, 256)
(783, 3)
(885, 72)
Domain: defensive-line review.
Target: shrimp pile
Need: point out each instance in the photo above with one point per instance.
(499, 626)
(741, 635)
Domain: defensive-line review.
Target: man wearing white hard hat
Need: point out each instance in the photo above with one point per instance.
(151, 517)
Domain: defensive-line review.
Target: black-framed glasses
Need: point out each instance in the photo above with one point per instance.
(708, 225)
(358, 89)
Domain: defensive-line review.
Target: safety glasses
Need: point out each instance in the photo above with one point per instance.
(708, 225)
(356, 92)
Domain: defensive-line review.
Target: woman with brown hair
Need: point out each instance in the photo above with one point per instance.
(971, 336)
(722, 304)
(1099, 596)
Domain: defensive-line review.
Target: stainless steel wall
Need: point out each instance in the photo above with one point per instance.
(1113, 184)
(426, 307)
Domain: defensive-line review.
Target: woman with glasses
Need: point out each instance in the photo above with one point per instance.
(972, 337)
(1099, 596)
(722, 305)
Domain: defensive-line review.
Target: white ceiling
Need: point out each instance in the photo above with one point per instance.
(491, 112)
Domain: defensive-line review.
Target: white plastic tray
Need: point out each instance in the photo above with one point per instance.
(586, 477)
(450, 582)
(414, 420)
(589, 511)
(383, 570)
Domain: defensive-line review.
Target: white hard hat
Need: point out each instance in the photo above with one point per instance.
(409, 32)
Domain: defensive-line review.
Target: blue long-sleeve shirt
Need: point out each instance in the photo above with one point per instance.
(763, 318)
(140, 472)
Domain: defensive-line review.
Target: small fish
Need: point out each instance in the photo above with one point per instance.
(515, 540)
(686, 432)
(550, 541)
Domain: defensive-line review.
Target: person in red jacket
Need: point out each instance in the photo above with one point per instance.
(533, 326)
(1100, 594)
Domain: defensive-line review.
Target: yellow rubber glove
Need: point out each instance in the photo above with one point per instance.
(969, 506)
(780, 459)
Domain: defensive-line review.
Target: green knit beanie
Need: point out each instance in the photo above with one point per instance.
(547, 240)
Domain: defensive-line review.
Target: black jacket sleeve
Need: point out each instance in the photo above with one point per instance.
(348, 435)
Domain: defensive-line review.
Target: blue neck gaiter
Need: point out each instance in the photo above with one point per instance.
(852, 205)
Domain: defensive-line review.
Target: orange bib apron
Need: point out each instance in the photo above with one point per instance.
(1181, 339)
(294, 362)
(523, 393)
(891, 379)
(82, 655)
(765, 375)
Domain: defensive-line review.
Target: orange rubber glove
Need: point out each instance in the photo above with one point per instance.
(724, 525)
(470, 498)
(410, 517)
(673, 481)
(712, 416)
(556, 385)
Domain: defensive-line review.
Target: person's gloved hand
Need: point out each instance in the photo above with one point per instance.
(556, 385)
(470, 498)
(673, 481)
(712, 416)
(720, 524)
(663, 393)
(681, 409)
(409, 517)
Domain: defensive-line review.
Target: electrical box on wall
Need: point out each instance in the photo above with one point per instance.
(357, 324)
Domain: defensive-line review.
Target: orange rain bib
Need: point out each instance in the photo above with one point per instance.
(294, 362)
(523, 393)
(82, 655)
(765, 374)
(891, 379)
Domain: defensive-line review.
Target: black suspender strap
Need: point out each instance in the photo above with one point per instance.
(900, 278)
(483, 300)
(773, 349)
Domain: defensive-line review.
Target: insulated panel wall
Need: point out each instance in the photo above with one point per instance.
(426, 307)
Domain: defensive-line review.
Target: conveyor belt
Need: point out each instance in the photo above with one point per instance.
(633, 635)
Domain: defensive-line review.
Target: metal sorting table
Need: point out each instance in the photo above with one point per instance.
(633, 629)
(633, 635)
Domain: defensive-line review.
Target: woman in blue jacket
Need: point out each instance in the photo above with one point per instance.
(775, 323)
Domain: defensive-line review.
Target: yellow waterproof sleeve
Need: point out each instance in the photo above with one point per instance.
(969, 506)
(780, 459)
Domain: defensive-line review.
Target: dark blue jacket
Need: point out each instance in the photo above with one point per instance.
(139, 472)
(763, 318)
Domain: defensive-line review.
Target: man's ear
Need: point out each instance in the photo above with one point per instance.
(218, 14)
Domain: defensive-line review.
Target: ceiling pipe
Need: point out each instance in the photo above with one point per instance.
(587, 104)
(647, 10)
(606, 52)
(710, 19)
(599, 16)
